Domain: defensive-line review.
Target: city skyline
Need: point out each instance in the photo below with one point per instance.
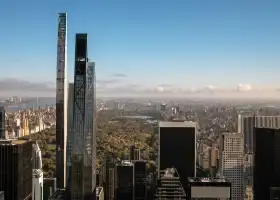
(217, 49)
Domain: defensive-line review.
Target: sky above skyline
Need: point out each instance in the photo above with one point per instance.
(146, 47)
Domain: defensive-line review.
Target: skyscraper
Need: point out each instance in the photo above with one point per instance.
(61, 100)
(125, 181)
(266, 181)
(16, 169)
(2, 122)
(140, 182)
(246, 125)
(177, 148)
(70, 131)
(83, 148)
(232, 162)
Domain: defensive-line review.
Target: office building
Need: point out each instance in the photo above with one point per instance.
(209, 188)
(37, 179)
(83, 140)
(16, 169)
(140, 182)
(177, 148)
(232, 162)
(70, 131)
(125, 181)
(266, 181)
(49, 187)
(213, 161)
(109, 184)
(131, 152)
(99, 193)
(2, 122)
(246, 126)
(135, 153)
(169, 186)
(61, 100)
(248, 169)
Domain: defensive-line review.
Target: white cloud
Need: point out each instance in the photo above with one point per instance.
(244, 87)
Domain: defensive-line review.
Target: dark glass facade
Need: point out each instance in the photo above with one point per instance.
(266, 163)
(140, 184)
(16, 169)
(124, 182)
(178, 149)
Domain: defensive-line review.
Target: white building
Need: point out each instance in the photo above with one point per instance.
(37, 178)
(232, 162)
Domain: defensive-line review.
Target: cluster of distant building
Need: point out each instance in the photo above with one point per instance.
(25, 122)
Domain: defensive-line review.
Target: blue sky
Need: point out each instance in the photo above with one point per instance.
(185, 43)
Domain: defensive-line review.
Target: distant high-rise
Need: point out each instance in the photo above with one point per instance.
(2, 122)
(83, 145)
(266, 179)
(232, 162)
(16, 169)
(61, 101)
(177, 148)
(246, 125)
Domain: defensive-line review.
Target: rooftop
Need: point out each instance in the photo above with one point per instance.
(169, 172)
(126, 163)
(207, 180)
(12, 142)
(178, 124)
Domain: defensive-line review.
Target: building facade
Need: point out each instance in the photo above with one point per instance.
(61, 100)
(83, 139)
(266, 182)
(246, 126)
(125, 181)
(177, 148)
(16, 169)
(232, 162)
(37, 179)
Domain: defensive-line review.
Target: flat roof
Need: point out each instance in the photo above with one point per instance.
(12, 142)
(208, 180)
(178, 124)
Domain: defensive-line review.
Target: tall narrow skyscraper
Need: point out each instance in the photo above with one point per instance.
(83, 155)
(70, 132)
(61, 100)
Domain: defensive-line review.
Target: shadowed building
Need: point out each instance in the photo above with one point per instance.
(177, 148)
(266, 179)
(16, 169)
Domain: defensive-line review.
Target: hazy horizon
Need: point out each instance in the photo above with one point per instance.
(182, 49)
